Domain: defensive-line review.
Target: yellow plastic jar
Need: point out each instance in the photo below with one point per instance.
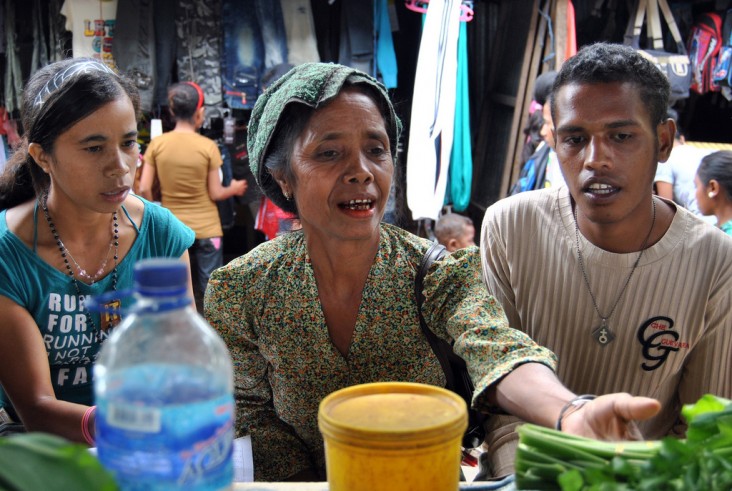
(396, 436)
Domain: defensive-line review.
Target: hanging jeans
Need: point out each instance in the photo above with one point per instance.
(198, 30)
(254, 40)
(300, 29)
(134, 46)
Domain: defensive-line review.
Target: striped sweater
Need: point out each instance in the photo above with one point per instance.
(673, 323)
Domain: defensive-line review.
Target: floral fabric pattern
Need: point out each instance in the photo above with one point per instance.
(265, 305)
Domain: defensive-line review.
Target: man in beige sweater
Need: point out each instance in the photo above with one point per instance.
(632, 292)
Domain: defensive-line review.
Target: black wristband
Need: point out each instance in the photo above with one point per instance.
(577, 402)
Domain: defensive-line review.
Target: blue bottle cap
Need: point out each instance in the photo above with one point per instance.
(161, 277)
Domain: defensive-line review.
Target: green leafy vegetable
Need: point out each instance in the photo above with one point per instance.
(39, 461)
(548, 459)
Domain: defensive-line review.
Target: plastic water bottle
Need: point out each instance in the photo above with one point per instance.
(163, 384)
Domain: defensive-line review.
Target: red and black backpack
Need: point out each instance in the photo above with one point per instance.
(704, 43)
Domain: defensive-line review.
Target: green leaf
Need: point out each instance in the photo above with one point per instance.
(571, 480)
(708, 403)
(39, 461)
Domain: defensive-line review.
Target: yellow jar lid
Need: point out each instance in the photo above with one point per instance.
(393, 411)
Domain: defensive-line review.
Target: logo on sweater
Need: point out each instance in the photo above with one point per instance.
(658, 340)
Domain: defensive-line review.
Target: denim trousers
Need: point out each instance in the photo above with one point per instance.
(134, 46)
(254, 40)
(206, 255)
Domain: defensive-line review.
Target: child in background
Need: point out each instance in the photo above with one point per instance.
(455, 231)
(714, 188)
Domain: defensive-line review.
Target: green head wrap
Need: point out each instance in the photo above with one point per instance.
(312, 84)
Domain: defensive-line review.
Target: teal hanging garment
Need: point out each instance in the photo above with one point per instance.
(461, 158)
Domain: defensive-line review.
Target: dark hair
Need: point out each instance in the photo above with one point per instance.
(183, 101)
(292, 121)
(543, 86)
(450, 225)
(608, 63)
(54, 99)
(717, 166)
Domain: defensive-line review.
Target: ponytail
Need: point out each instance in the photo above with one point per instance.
(22, 179)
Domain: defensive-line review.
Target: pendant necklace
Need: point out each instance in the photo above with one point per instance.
(602, 333)
(65, 255)
(82, 272)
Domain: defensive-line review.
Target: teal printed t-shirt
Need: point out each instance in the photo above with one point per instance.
(51, 298)
(727, 227)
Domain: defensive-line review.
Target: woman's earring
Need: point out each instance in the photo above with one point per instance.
(288, 196)
(710, 194)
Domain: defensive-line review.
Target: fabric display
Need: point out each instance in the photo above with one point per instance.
(226, 46)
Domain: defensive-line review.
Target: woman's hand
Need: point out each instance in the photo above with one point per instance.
(610, 417)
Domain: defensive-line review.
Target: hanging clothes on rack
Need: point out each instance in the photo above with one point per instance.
(134, 46)
(433, 110)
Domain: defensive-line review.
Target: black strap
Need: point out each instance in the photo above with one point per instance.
(434, 253)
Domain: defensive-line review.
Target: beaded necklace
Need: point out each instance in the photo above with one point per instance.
(65, 255)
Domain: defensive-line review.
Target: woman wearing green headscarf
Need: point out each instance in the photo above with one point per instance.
(333, 304)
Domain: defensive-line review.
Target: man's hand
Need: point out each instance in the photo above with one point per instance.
(611, 417)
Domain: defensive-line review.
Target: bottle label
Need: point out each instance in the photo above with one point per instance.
(136, 418)
(185, 445)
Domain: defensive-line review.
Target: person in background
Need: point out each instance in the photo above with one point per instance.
(188, 167)
(553, 173)
(455, 231)
(333, 304)
(631, 291)
(675, 178)
(71, 229)
(714, 188)
(535, 121)
(541, 169)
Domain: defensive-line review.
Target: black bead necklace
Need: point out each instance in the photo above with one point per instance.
(65, 256)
